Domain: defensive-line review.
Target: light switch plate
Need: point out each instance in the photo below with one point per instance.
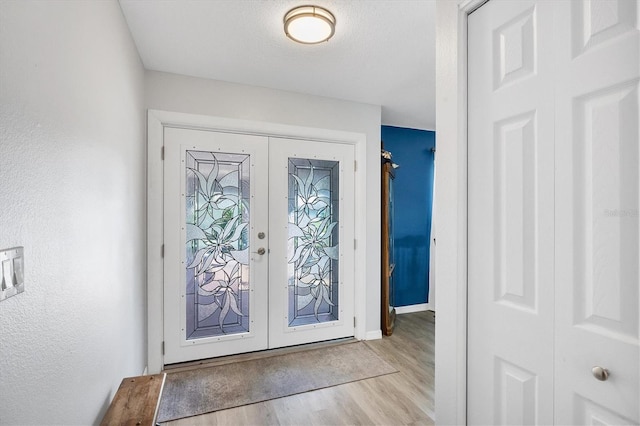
(11, 272)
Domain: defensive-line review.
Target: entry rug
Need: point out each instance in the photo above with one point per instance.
(204, 390)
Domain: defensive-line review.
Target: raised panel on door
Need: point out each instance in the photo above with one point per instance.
(215, 285)
(510, 214)
(597, 233)
(311, 216)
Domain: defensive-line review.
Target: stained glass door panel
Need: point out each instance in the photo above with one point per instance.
(313, 243)
(216, 283)
(311, 267)
(217, 202)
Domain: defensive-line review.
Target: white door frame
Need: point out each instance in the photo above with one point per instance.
(156, 122)
(451, 205)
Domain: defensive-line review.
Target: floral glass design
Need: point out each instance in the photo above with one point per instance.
(313, 253)
(217, 244)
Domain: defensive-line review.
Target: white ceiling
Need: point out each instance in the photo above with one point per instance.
(383, 52)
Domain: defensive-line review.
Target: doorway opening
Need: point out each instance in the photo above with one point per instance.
(259, 237)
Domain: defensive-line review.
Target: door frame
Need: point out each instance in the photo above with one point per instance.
(157, 120)
(451, 204)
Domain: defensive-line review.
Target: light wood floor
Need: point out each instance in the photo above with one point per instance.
(403, 398)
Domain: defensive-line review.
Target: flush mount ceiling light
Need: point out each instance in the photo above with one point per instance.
(309, 24)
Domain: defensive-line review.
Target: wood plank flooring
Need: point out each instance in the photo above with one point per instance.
(403, 398)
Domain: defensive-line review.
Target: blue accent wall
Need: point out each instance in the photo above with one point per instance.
(413, 186)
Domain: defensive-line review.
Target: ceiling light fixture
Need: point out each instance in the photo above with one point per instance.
(309, 24)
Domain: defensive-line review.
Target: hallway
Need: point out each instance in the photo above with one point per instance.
(403, 398)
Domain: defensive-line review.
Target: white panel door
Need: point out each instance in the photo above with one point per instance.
(215, 281)
(597, 256)
(510, 214)
(311, 217)
(553, 213)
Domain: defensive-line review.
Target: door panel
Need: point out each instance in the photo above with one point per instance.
(510, 215)
(311, 221)
(597, 231)
(215, 285)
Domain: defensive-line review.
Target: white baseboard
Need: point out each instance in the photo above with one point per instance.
(146, 370)
(373, 335)
(414, 308)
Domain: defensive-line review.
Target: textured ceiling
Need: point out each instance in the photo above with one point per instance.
(383, 52)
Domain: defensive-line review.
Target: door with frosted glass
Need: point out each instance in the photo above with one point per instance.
(258, 238)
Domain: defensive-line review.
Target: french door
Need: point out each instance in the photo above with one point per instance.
(256, 235)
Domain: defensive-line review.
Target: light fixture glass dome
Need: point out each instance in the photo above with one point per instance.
(309, 24)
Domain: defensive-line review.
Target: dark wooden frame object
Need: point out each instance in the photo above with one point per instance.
(388, 312)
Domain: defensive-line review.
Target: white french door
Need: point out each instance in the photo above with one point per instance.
(255, 235)
(214, 278)
(553, 197)
(312, 226)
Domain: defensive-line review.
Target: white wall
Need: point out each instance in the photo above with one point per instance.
(171, 92)
(432, 246)
(451, 211)
(72, 192)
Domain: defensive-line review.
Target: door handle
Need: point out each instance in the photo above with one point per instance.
(260, 251)
(600, 373)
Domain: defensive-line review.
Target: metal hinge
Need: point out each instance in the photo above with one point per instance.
(162, 347)
(162, 153)
(354, 322)
(162, 250)
(355, 166)
(355, 244)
